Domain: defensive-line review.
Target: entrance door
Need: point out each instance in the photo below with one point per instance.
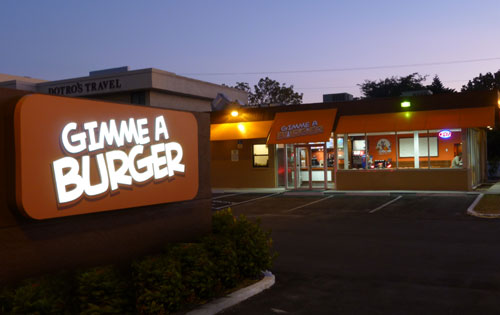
(307, 166)
(303, 167)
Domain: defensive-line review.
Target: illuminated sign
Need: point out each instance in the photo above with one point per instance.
(77, 156)
(445, 134)
(299, 130)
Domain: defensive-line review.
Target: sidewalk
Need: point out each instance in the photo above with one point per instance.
(487, 204)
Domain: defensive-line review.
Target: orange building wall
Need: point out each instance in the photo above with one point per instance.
(240, 174)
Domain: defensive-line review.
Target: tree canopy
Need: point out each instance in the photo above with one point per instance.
(394, 86)
(268, 91)
(487, 82)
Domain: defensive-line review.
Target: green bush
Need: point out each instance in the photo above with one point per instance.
(253, 245)
(104, 290)
(222, 254)
(158, 285)
(197, 271)
(185, 274)
(45, 295)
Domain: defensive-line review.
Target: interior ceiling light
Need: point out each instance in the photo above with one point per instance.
(234, 113)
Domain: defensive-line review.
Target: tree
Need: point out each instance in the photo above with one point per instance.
(268, 91)
(488, 82)
(437, 87)
(394, 86)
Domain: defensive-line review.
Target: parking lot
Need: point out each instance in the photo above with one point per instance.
(375, 254)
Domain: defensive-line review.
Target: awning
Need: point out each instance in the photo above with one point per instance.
(302, 126)
(422, 120)
(241, 130)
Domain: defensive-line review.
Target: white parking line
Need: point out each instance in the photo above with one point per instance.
(308, 204)
(254, 199)
(230, 195)
(386, 204)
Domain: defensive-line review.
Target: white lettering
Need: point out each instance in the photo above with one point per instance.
(78, 138)
(159, 161)
(174, 164)
(70, 178)
(94, 190)
(118, 176)
(160, 128)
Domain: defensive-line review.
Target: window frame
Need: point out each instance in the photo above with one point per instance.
(254, 155)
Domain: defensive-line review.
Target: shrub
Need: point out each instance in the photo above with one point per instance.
(222, 254)
(197, 271)
(187, 273)
(104, 290)
(253, 245)
(45, 295)
(158, 285)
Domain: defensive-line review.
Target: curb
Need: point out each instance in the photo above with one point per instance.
(470, 210)
(236, 297)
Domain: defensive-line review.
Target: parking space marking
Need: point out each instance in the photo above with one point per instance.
(386, 204)
(307, 204)
(250, 200)
(230, 195)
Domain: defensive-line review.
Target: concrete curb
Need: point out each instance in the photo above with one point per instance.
(236, 297)
(470, 210)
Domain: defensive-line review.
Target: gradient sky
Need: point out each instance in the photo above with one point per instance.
(63, 39)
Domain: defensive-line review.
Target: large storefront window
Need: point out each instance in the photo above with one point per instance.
(449, 148)
(381, 150)
(421, 149)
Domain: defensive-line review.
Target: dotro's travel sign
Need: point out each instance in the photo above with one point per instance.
(77, 156)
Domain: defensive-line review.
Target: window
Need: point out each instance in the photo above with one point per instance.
(421, 149)
(381, 150)
(138, 98)
(260, 155)
(448, 148)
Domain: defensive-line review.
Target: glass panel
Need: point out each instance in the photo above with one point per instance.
(260, 149)
(406, 147)
(260, 161)
(290, 156)
(356, 151)
(280, 162)
(447, 151)
(381, 150)
(340, 151)
(303, 167)
(424, 145)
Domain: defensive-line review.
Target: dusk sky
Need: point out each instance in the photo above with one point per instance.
(247, 40)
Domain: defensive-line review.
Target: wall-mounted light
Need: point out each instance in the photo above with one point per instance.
(234, 113)
(498, 103)
(405, 104)
(241, 127)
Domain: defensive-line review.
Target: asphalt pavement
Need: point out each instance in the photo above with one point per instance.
(378, 254)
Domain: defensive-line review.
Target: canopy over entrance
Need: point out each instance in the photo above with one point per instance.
(302, 126)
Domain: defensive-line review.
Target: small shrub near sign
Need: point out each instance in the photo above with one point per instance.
(181, 277)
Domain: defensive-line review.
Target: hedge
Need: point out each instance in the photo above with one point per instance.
(181, 276)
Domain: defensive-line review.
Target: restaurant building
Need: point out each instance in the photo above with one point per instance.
(429, 142)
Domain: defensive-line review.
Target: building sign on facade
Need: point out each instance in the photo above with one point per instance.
(87, 87)
(77, 156)
(302, 126)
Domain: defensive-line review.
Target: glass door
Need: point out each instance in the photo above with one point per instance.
(303, 167)
(309, 166)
